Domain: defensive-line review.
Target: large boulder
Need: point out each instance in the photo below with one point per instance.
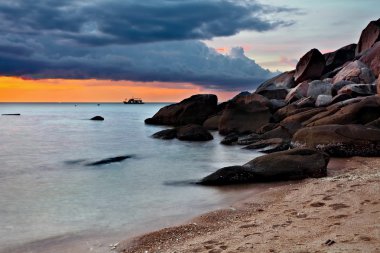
(193, 133)
(310, 66)
(370, 35)
(292, 164)
(294, 122)
(193, 110)
(339, 57)
(212, 123)
(358, 112)
(245, 115)
(340, 140)
(166, 134)
(356, 72)
(282, 81)
(372, 58)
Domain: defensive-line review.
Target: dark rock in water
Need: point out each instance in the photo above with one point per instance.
(340, 140)
(11, 114)
(340, 98)
(270, 145)
(110, 160)
(356, 72)
(310, 66)
(361, 111)
(166, 134)
(370, 35)
(372, 58)
(292, 164)
(98, 118)
(245, 115)
(230, 139)
(193, 133)
(339, 57)
(193, 110)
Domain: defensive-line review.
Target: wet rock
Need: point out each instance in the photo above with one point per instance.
(369, 36)
(292, 164)
(310, 66)
(372, 58)
(98, 118)
(110, 160)
(193, 110)
(249, 139)
(323, 100)
(340, 140)
(193, 133)
(270, 145)
(166, 134)
(356, 72)
(11, 114)
(230, 139)
(339, 57)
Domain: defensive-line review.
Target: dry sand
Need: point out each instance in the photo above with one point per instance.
(340, 213)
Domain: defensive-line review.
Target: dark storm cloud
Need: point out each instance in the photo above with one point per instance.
(131, 21)
(132, 40)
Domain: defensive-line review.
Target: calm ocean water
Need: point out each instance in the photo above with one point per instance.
(46, 189)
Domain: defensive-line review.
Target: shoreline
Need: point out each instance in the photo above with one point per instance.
(301, 217)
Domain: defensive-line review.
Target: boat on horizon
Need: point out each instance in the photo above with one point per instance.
(133, 101)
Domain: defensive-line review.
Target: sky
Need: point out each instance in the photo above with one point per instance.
(163, 50)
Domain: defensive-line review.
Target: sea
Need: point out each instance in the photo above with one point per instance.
(50, 195)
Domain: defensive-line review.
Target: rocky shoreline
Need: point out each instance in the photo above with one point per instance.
(327, 108)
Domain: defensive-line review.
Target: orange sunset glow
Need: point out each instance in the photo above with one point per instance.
(14, 89)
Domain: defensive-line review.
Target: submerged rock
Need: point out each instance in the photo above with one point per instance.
(110, 160)
(193, 133)
(292, 164)
(99, 118)
(340, 140)
(230, 139)
(166, 134)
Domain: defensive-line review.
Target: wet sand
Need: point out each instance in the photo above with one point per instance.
(339, 213)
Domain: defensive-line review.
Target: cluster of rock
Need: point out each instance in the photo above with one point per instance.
(330, 104)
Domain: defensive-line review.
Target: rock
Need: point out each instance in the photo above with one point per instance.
(323, 100)
(212, 123)
(339, 85)
(193, 110)
(11, 114)
(305, 102)
(356, 72)
(274, 94)
(370, 35)
(356, 90)
(298, 92)
(294, 122)
(166, 134)
(310, 66)
(292, 164)
(375, 123)
(110, 160)
(340, 98)
(378, 86)
(267, 127)
(371, 58)
(193, 133)
(282, 81)
(317, 88)
(276, 104)
(278, 132)
(356, 112)
(340, 140)
(99, 118)
(288, 111)
(270, 145)
(245, 115)
(230, 139)
(339, 57)
(249, 139)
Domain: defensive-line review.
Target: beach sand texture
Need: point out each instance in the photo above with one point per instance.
(339, 213)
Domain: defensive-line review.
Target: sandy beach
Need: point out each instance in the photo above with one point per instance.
(339, 213)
